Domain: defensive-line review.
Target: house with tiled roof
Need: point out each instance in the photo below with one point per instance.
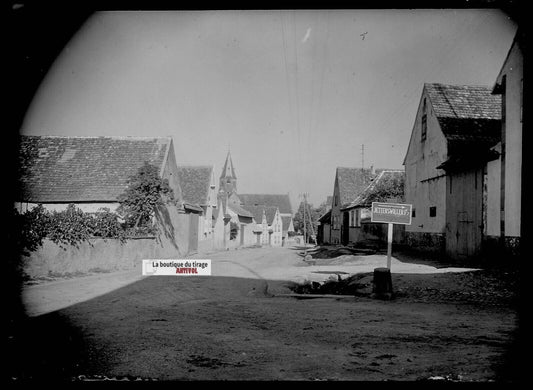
(349, 182)
(90, 172)
(323, 235)
(243, 221)
(445, 166)
(278, 212)
(93, 172)
(269, 223)
(198, 188)
(386, 186)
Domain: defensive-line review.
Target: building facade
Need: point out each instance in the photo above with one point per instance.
(349, 182)
(445, 164)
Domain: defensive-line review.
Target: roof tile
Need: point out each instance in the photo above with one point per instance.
(195, 182)
(83, 169)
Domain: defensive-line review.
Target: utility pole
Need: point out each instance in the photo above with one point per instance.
(310, 220)
(305, 229)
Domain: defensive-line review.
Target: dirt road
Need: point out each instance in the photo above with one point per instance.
(257, 263)
(223, 327)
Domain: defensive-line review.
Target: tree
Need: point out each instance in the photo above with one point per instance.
(145, 192)
(388, 189)
(311, 218)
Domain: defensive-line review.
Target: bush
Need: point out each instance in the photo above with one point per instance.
(70, 227)
(29, 229)
(107, 225)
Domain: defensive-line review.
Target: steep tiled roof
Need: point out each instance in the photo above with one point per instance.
(286, 221)
(281, 201)
(195, 182)
(351, 182)
(468, 115)
(239, 210)
(326, 218)
(83, 169)
(257, 211)
(365, 198)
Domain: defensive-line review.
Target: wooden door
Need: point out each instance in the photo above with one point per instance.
(345, 232)
(464, 214)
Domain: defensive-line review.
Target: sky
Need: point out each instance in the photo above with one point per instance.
(292, 94)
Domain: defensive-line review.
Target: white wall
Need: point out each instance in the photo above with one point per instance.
(492, 209)
(277, 234)
(513, 69)
(420, 165)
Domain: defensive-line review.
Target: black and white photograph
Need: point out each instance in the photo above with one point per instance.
(288, 194)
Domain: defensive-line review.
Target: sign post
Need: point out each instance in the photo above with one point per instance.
(391, 213)
(389, 245)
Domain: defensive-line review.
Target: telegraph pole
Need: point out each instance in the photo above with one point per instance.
(305, 229)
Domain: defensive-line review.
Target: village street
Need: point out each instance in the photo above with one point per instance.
(238, 325)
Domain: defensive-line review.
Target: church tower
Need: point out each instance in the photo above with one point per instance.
(228, 179)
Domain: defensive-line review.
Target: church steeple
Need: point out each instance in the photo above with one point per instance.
(228, 179)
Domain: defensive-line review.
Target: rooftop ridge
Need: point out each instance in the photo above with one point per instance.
(96, 136)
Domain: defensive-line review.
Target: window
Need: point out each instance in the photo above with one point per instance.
(451, 183)
(413, 213)
(433, 211)
(335, 198)
(424, 122)
(358, 218)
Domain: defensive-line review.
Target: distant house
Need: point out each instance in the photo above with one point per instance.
(278, 211)
(93, 172)
(324, 228)
(359, 210)
(269, 223)
(323, 235)
(504, 174)
(198, 189)
(445, 164)
(245, 225)
(349, 182)
(287, 224)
